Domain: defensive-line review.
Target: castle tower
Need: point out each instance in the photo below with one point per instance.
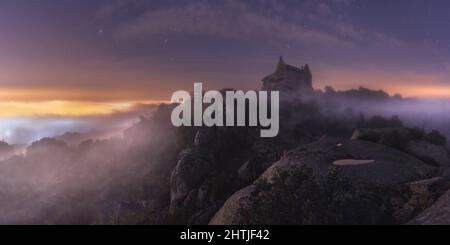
(289, 78)
(281, 68)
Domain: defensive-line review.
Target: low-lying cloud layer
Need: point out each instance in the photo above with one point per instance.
(95, 119)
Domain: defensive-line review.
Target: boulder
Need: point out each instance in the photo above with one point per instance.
(421, 195)
(430, 153)
(330, 181)
(404, 140)
(237, 209)
(438, 214)
(205, 138)
(263, 155)
(394, 137)
(207, 174)
(186, 179)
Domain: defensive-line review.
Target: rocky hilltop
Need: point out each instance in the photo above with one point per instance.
(321, 169)
(334, 181)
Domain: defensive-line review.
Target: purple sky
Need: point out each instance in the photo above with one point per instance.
(144, 49)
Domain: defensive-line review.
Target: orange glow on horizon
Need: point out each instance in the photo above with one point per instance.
(67, 108)
(68, 102)
(79, 103)
(407, 83)
(432, 92)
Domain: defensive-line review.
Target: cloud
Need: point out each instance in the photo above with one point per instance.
(230, 20)
(117, 6)
(26, 128)
(311, 23)
(328, 19)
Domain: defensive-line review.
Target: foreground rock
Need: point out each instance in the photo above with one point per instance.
(397, 138)
(438, 214)
(189, 174)
(207, 174)
(264, 154)
(430, 153)
(332, 182)
(411, 141)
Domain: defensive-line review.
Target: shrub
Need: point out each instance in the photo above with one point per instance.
(381, 122)
(296, 197)
(417, 133)
(435, 137)
(395, 140)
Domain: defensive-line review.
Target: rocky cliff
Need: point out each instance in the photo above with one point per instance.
(335, 181)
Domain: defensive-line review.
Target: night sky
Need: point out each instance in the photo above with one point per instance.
(97, 56)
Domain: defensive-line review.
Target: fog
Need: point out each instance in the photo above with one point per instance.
(54, 182)
(27, 129)
(116, 170)
(428, 114)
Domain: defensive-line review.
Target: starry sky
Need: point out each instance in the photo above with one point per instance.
(102, 56)
(146, 49)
